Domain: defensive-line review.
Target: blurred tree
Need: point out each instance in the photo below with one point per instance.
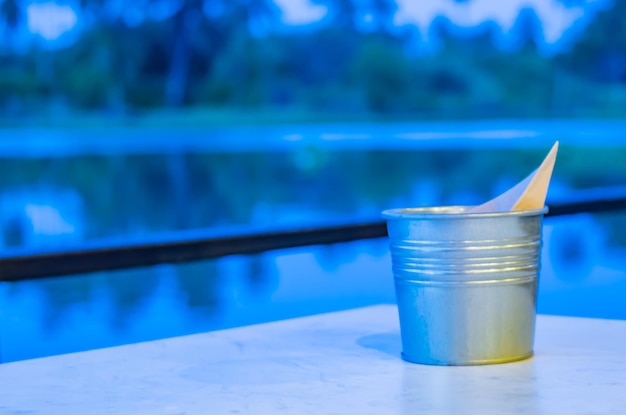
(382, 14)
(10, 12)
(385, 74)
(245, 70)
(601, 54)
(342, 14)
(154, 53)
(527, 30)
(186, 22)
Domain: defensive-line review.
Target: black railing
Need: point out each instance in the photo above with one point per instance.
(198, 245)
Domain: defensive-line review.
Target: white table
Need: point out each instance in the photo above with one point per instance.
(339, 363)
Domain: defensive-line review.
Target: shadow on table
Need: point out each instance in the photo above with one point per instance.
(388, 343)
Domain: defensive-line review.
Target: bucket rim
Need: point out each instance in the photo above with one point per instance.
(453, 212)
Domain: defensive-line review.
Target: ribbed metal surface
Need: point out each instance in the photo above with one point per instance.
(465, 260)
(465, 283)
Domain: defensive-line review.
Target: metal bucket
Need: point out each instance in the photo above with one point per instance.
(466, 283)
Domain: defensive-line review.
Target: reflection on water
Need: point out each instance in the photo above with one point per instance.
(60, 315)
(66, 199)
(583, 269)
(51, 199)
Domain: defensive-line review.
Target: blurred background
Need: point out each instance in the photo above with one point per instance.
(122, 120)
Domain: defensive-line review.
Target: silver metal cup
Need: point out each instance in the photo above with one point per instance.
(466, 283)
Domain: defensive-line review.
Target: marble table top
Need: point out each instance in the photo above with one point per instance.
(339, 363)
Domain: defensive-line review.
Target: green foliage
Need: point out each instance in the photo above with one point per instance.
(381, 70)
(194, 59)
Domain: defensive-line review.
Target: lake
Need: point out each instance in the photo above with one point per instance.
(64, 188)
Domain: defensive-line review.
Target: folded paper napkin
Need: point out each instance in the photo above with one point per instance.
(528, 194)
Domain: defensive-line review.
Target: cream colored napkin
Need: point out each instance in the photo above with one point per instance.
(528, 194)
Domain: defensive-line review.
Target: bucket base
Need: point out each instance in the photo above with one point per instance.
(466, 363)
